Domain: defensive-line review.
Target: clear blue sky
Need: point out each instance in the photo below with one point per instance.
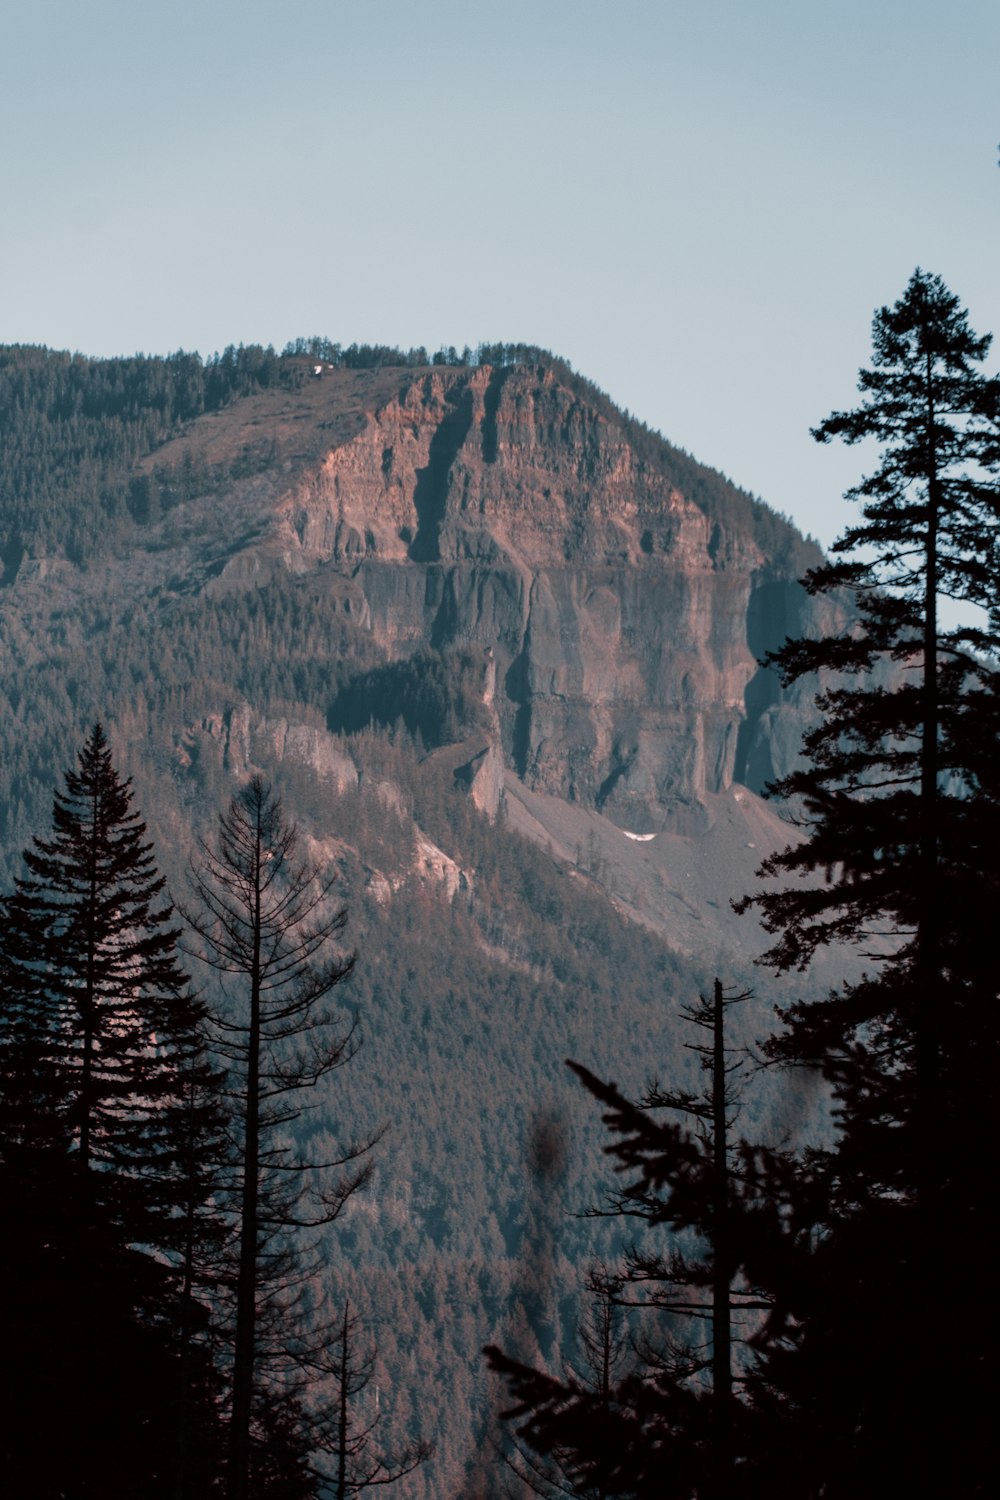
(698, 204)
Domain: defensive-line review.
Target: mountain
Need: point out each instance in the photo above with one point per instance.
(496, 645)
(596, 599)
(620, 593)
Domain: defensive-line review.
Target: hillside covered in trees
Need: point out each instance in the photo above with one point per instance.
(494, 647)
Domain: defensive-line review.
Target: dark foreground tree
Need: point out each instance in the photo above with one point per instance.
(900, 797)
(894, 801)
(670, 1426)
(265, 921)
(100, 1022)
(604, 1357)
(100, 1047)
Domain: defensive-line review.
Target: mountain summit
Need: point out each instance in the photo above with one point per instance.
(623, 591)
(491, 553)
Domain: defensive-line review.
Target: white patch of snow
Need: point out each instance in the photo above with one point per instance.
(639, 838)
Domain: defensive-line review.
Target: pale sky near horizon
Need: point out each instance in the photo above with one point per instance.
(699, 205)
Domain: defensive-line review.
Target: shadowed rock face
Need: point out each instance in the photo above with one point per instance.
(498, 509)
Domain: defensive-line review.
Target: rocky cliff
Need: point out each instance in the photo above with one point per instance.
(512, 511)
(606, 598)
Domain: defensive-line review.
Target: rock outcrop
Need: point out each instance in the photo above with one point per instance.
(502, 510)
(616, 595)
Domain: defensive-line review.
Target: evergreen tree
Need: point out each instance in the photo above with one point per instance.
(605, 1354)
(99, 1016)
(265, 920)
(890, 786)
(100, 1043)
(673, 1425)
(903, 819)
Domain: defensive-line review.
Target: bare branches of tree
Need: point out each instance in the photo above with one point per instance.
(265, 921)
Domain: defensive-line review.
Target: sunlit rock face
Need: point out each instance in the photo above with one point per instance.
(513, 511)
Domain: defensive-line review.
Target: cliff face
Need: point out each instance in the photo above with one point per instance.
(615, 595)
(498, 509)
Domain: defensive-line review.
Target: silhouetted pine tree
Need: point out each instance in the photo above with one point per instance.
(98, 1000)
(604, 1355)
(100, 1045)
(900, 797)
(265, 922)
(672, 1425)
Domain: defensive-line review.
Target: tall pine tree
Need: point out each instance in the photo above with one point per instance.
(101, 1060)
(265, 922)
(99, 1008)
(672, 1425)
(900, 799)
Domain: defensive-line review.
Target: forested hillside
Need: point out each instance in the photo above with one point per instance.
(495, 649)
(484, 960)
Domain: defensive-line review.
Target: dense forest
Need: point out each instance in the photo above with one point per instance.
(287, 1135)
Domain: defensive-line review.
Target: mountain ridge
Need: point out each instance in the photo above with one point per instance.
(469, 724)
(492, 508)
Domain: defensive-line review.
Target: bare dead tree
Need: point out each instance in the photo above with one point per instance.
(349, 1443)
(264, 920)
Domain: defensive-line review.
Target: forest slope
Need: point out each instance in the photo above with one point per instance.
(495, 645)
